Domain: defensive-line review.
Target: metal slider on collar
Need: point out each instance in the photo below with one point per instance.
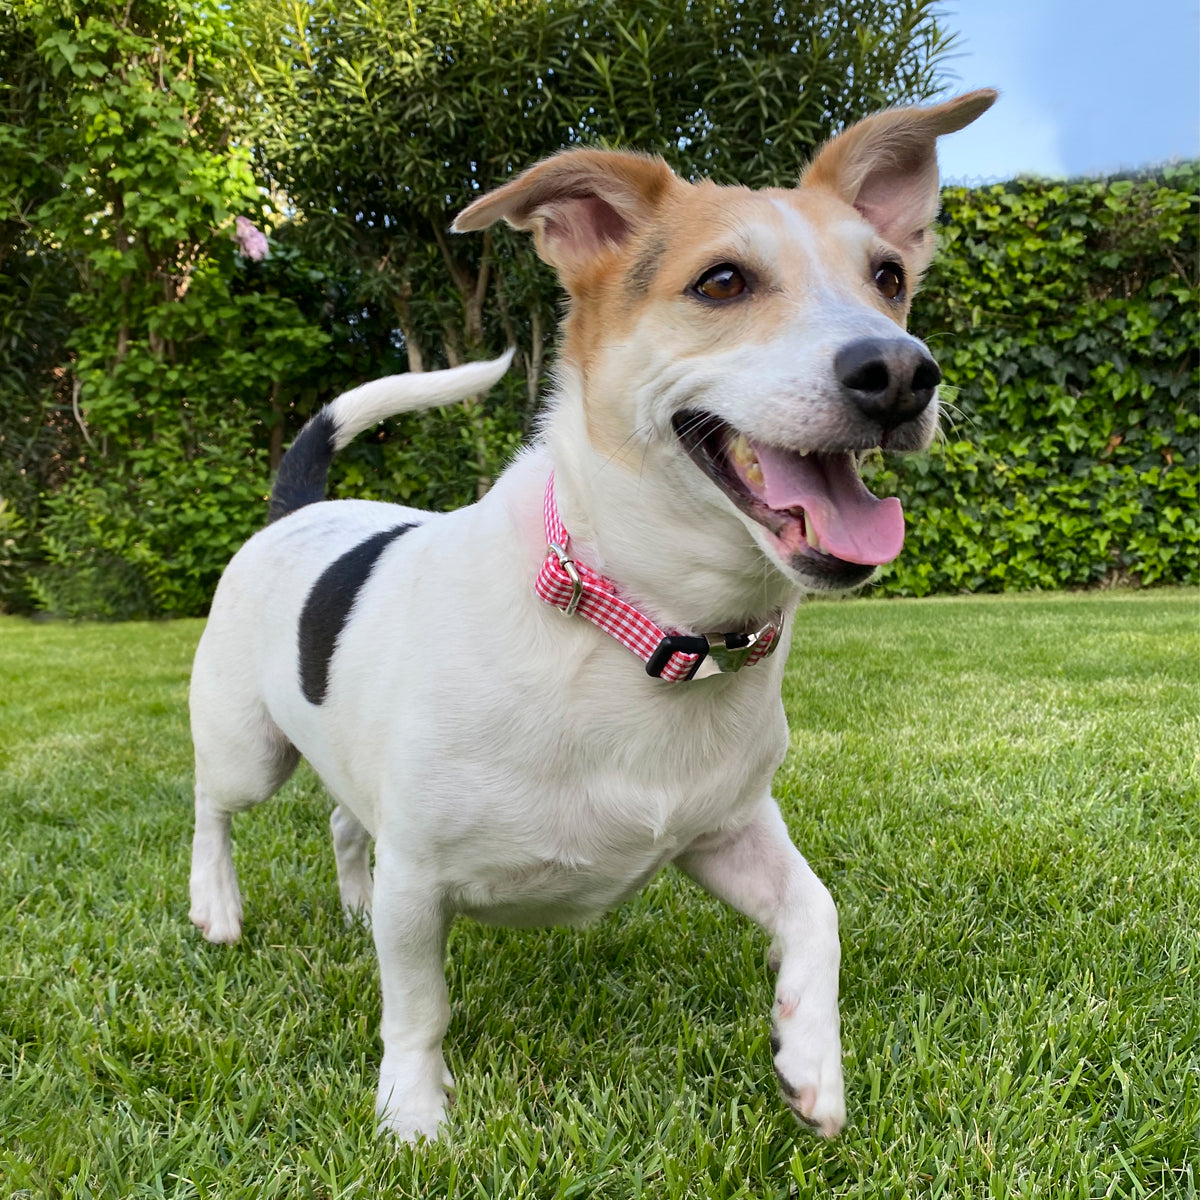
(568, 565)
(730, 651)
(719, 653)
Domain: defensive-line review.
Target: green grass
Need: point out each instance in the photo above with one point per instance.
(1002, 794)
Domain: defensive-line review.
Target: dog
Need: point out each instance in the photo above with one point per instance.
(534, 703)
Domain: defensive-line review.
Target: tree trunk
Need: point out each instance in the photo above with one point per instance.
(472, 406)
(472, 294)
(533, 373)
(402, 306)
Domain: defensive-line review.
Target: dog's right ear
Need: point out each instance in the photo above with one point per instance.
(580, 205)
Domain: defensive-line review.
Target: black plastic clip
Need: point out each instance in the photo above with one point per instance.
(676, 643)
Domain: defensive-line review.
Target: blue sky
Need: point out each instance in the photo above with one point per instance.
(1087, 86)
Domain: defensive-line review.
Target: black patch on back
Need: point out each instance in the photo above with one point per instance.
(303, 471)
(328, 606)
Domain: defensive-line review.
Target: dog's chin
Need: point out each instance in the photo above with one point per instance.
(816, 572)
(792, 534)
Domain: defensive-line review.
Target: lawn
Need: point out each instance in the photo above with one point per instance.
(1003, 795)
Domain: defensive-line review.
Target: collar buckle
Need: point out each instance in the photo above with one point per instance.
(718, 653)
(677, 643)
(728, 652)
(731, 652)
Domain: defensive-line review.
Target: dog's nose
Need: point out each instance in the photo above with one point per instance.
(890, 381)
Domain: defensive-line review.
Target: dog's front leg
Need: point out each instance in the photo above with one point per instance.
(410, 925)
(758, 871)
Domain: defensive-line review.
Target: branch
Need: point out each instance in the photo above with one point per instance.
(461, 279)
(485, 270)
(76, 387)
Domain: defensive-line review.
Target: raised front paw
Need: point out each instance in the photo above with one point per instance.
(808, 1063)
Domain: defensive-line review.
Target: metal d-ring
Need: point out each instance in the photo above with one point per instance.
(568, 565)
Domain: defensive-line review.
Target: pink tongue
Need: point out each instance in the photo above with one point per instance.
(853, 525)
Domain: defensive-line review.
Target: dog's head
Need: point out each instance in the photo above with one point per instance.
(755, 342)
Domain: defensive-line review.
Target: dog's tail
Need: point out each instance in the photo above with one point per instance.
(302, 473)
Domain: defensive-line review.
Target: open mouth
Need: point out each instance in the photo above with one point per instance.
(826, 524)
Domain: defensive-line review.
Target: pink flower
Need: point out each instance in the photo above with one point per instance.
(251, 240)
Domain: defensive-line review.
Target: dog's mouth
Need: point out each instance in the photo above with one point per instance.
(825, 523)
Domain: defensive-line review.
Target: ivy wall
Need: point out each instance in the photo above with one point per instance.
(1065, 319)
(1064, 316)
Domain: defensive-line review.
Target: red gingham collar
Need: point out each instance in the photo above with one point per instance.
(577, 590)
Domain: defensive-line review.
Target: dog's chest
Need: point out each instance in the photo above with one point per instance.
(579, 853)
(589, 818)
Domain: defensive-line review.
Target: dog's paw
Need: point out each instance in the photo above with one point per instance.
(808, 1064)
(412, 1099)
(216, 912)
(356, 915)
(355, 890)
(409, 1119)
(412, 1125)
(216, 902)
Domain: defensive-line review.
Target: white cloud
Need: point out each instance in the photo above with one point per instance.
(1014, 137)
(1087, 86)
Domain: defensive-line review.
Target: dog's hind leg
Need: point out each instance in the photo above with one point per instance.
(239, 763)
(216, 902)
(352, 849)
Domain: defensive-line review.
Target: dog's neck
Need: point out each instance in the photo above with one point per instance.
(687, 570)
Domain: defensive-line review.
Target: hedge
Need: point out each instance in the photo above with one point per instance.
(1064, 316)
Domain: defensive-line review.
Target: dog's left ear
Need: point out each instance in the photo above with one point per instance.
(580, 204)
(886, 167)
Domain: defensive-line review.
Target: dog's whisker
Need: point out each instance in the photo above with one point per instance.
(645, 452)
(955, 418)
(701, 424)
(646, 430)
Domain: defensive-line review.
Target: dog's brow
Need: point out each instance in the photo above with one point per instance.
(641, 274)
(798, 230)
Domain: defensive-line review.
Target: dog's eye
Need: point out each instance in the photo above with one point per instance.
(889, 279)
(721, 283)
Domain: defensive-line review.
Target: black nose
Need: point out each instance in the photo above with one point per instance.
(889, 381)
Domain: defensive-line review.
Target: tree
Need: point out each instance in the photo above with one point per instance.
(38, 435)
(380, 119)
(128, 171)
(155, 367)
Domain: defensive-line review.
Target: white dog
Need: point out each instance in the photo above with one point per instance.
(468, 685)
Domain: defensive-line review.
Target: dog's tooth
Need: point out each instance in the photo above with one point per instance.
(742, 452)
(754, 474)
(811, 534)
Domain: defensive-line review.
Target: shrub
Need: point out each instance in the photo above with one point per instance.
(1065, 316)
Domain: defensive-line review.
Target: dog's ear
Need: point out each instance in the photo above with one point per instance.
(886, 166)
(579, 204)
